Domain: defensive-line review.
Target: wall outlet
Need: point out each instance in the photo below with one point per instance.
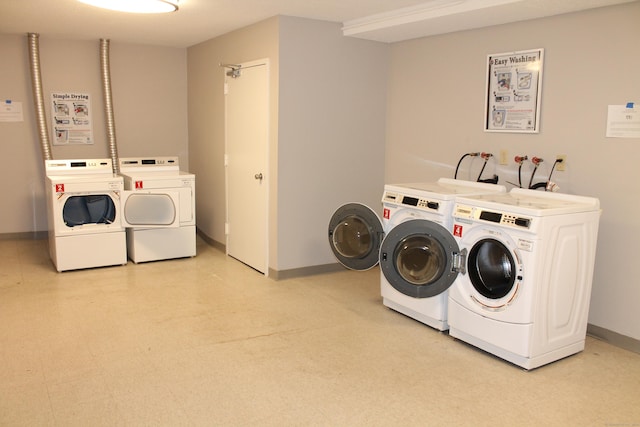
(563, 164)
(504, 157)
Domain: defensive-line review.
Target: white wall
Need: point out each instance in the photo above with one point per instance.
(149, 96)
(436, 110)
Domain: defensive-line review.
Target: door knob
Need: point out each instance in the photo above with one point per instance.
(258, 176)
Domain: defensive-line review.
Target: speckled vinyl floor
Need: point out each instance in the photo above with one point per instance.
(207, 341)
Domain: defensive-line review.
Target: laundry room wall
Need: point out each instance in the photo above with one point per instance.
(331, 134)
(436, 112)
(327, 131)
(207, 117)
(149, 96)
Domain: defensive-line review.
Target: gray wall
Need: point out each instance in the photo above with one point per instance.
(331, 133)
(206, 118)
(327, 130)
(436, 110)
(150, 99)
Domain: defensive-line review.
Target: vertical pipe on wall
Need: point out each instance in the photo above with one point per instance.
(38, 99)
(108, 101)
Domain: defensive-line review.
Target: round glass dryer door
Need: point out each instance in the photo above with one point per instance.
(491, 268)
(355, 234)
(89, 209)
(420, 258)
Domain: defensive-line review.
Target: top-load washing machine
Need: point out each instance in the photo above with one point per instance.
(84, 216)
(529, 268)
(413, 244)
(158, 209)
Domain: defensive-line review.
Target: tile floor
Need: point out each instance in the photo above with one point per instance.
(208, 341)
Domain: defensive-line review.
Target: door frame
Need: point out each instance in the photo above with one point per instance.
(376, 231)
(453, 262)
(244, 65)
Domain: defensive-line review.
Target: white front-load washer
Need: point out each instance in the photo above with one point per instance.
(83, 214)
(419, 258)
(529, 266)
(158, 209)
(412, 243)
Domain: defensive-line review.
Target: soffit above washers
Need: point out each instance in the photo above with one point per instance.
(446, 16)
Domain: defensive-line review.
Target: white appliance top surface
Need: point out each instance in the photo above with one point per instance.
(78, 167)
(149, 164)
(149, 175)
(88, 178)
(150, 168)
(445, 188)
(532, 202)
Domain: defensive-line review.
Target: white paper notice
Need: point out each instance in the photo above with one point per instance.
(11, 112)
(623, 121)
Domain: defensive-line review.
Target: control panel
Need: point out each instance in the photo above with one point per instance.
(475, 213)
(405, 200)
(88, 166)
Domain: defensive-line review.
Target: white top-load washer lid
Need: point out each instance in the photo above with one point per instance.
(530, 202)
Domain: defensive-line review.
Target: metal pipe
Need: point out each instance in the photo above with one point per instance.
(38, 99)
(108, 102)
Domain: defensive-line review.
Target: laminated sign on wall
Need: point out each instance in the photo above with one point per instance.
(623, 121)
(514, 84)
(71, 118)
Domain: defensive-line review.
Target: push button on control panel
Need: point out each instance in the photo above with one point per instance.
(518, 221)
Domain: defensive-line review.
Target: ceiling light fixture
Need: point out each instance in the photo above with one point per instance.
(136, 6)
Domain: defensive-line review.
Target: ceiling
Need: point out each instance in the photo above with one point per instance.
(201, 20)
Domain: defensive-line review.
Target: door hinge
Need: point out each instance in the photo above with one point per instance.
(226, 160)
(226, 88)
(458, 262)
(226, 228)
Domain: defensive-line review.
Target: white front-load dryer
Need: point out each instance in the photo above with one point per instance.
(84, 215)
(419, 257)
(159, 210)
(525, 291)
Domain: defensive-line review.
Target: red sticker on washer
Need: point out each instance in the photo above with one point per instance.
(138, 185)
(386, 213)
(457, 230)
(59, 188)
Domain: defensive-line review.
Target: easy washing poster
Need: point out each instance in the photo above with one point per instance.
(513, 90)
(71, 118)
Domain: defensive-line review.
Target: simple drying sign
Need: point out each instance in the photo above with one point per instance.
(71, 118)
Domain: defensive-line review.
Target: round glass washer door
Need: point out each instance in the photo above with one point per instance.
(355, 234)
(418, 258)
(492, 269)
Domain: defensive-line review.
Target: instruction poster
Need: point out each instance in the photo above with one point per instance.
(71, 117)
(514, 83)
(11, 111)
(623, 121)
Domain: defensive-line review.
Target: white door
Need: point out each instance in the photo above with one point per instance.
(247, 137)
